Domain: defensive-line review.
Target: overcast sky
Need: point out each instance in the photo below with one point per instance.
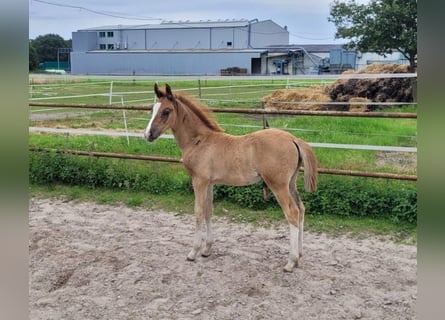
(306, 20)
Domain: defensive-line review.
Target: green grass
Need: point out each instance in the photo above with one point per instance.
(383, 132)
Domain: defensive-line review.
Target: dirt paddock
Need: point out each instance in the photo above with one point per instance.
(91, 261)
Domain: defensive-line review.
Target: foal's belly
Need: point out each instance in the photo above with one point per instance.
(237, 178)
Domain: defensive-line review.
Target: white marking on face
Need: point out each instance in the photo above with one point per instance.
(153, 115)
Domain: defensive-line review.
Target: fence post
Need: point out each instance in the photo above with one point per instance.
(265, 122)
(110, 100)
(125, 121)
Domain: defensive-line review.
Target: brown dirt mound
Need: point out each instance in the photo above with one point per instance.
(377, 90)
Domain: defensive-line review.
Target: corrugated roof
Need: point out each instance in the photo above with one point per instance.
(307, 47)
(186, 24)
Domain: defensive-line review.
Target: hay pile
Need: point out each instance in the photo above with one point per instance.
(358, 91)
(297, 99)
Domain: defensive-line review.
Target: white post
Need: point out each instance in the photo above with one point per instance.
(110, 101)
(125, 121)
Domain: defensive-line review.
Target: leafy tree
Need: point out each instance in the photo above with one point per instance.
(47, 45)
(33, 57)
(381, 26)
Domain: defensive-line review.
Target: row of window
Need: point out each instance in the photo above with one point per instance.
(103, 34)
(109, 46)
(110, 34)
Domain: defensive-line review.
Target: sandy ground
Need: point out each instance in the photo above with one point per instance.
(90, 261)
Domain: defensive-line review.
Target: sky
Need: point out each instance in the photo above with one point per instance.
(306, 20)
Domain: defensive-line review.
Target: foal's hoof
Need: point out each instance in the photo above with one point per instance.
(289, 267)
(206, 253)
(191, 257)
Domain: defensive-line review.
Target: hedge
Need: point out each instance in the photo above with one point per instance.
(346, 196)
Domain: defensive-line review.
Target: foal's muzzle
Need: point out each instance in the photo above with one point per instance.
(152, 135)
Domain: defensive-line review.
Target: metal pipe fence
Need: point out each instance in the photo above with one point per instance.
(176, 160)
(230, 110)
(400, 115)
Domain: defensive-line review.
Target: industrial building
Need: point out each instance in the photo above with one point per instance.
(175, 48)
(223, 47)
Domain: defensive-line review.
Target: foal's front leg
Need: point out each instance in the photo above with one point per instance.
(201, 189)
(208, 210)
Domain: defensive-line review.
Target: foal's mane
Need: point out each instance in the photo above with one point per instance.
(203, 112)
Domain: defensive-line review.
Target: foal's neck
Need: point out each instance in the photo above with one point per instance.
(189, 130)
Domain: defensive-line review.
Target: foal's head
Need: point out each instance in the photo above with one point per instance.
(163, 114)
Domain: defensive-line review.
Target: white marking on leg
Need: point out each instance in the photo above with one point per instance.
(209, 238)
(153, 115)
(293, 252)
(301, 225)
(300, 238)
(196, 244)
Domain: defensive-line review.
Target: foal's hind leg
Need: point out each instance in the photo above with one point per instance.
(301, 209)
(301, 227)
(291, 211)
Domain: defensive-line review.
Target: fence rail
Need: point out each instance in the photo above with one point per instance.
(176, 160)
(170, 136)
(400, 115)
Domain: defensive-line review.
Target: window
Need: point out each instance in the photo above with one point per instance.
(110, 34)
(102, 34)
(110, 47)
(229, 43)
(102, 47)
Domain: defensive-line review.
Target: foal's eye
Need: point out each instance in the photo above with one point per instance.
(165, 113)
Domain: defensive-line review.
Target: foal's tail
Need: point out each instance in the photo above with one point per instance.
(309, 164)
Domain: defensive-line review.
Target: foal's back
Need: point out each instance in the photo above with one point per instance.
(243, 160)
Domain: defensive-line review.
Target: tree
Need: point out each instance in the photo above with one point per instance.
(381, 26)
(47, 45)
(33, 57)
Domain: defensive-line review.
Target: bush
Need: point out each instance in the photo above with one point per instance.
(345, 196)
(247, 196)
(364, 197)
(49, 168)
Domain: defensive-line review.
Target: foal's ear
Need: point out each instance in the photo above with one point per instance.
(157, 91)
(169, 92)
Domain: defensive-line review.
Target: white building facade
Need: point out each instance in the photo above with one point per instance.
(175, 48)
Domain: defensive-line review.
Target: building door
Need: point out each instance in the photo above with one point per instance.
(256, 66)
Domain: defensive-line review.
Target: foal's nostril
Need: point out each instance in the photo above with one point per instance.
(152, 134)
